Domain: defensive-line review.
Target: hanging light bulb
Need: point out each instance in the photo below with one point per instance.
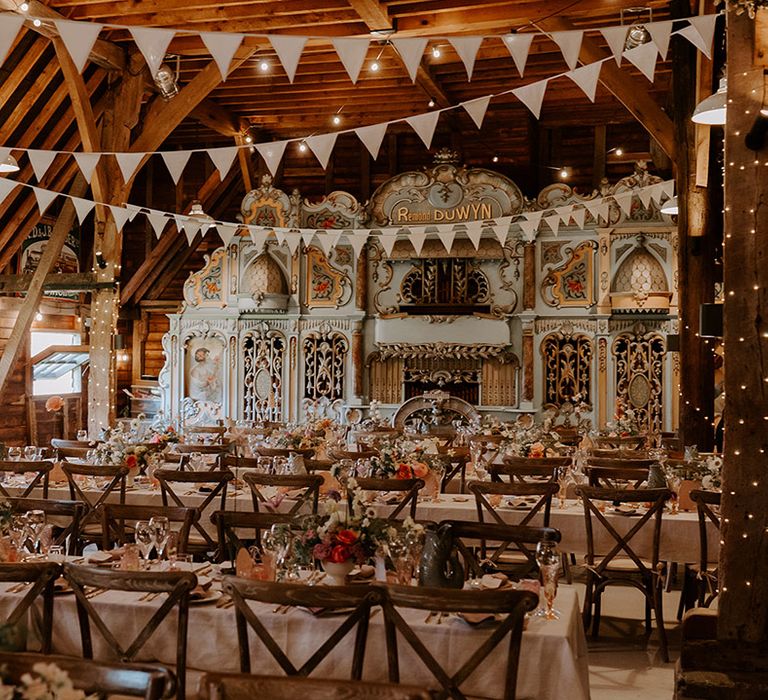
(564, 173)
(302, 147)
(9, 165)
(619, 151)
(436, 53)
(263, 66)
(375, 66)
(38, 316)
(165, 80)
(712, 110)
(495, 159)
(670, 207)
(24, 7)
(431, 103)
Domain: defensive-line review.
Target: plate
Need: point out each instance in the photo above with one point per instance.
(207, 597)
(625, 511)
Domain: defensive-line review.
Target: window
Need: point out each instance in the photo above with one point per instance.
(61, 372)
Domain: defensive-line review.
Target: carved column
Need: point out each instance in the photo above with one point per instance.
(361, 280)
(357, 360)
(604, 270)
(528, 380)
(529, 276)
(602, 375)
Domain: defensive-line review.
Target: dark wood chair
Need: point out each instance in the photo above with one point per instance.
(616, 476)
(318, 465)
(622, 564)
(568, 435)
(41, 576)
(273, 452)
(116, 515)
(308, 485)
(94, 500)
(528, 468)
(175, 585)
(407, 490)
(38, 474)
(69, 453)
(214, 432)
(700, 581)
(230, 527)
(339, 598)
(338, 455)
(58, 443)
(65, 516)
(221, 686)
(627, 442)
(510, 605)
(148, 681)
(516, 558)
(173, 486)
(213, 453)
(455, 460)
(467, 535)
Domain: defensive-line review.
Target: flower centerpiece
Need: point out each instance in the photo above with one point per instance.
(400, 459)
(46, 682)
(295, 437)
(7, 548)
(120, 448)
(534, 441)
(624, 423)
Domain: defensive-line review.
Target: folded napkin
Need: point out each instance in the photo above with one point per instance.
(362, 574)
(203, 588)
(100, 557)
(477, 618)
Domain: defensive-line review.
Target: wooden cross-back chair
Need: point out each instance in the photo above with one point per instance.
(103, 680)
(568, 436)
(488, 445)
(235, 686)
(528, 468)
(66, 516)
(231, 524)
(318, 465)
(70, 453)
(173, 487)
(308, 486)
(455, 460)
(407, 489)
(58, 443)
(369, 440)
(42, 576)
(338, 455)
(616, 477)
(39, 471)
(175, 585)
(93, 501)
(515, 556)
(621, 563)
(115, 516)
(627, 442)
(611, 453)
(700, 581)
(213, 453)
(215, 432)
(511, 604)
(306, 452)
(339, 598)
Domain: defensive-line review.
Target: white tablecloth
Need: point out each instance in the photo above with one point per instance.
(553, 660)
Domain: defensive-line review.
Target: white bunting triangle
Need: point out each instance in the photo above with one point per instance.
(475, 233)
(565, 213)
(222, 47)
(604, 210)
(6, 186)
(328, 241)
(387, 241)
(352, 52)
(657, 192)
(411, 50)
(83, 207)
(226, 233)
(191, 229)
(594, 207)
(79, 38)
(258, 236)
(153, 44)
(357, 241)
(586, 78)
(223, 158)
(272, 153)
(501, 231)
(120, 215)
(372, 137)
(570, 45)
(578, 216)
(644, 58)
(424, 125)
(322, 145)
(288, 49)
(477, 109)
(467, 47)
(624, 200)
(292, 240)
(158, 222)
(417, 238)
(616, 38)
(532, 95)
(519, 45)
(279, 235)
(644, 193)
(446, 236)
(529, 229)
(307, 235)
(700, 33)
(87, 163)
(134, 211)
(668, 188)
(534, 216)
(44, 198)
(660, 33)
(128, 163)
(553, 221)
(175, 161)
(10, 24)
(41, 161)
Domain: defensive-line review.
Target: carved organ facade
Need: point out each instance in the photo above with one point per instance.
(503, 321)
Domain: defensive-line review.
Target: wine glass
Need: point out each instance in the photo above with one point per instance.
(196, 461)
(36, 525)
(14, 454)
(19, 531)
(674, 483)
(145, 539)
(82, 435)
(30, 452)
(160, 529)
(548, 559)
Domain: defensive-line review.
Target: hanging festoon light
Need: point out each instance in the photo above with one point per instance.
(167, 81)
(9, 165)
(638, 34)
(712, 110)
(197, 212)
(670, 207)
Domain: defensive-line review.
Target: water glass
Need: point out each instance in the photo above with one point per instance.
(145, 540)
(548, 559)
(56, 553)
(36, 525)
(160, 530)
(30, 452)
(14, 454)
(196, 461)
(82, 435)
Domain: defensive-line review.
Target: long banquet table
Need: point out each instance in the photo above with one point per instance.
(553, 659)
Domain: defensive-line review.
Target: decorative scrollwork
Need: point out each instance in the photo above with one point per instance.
(263, 360)
(325, 356)
(567, 368)
(441, 377)
(447, 351)
(640, 376)
(572, 283)
(447, 283)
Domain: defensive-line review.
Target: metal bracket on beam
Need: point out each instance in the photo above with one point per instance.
(58, 282)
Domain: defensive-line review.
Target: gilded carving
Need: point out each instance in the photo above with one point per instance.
(263, 351)
(447, 351)
(572, 283)
(639, 360)
(567, 368)
(325, 356)
(325, 285)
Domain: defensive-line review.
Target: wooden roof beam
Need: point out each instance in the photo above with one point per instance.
(629, 90)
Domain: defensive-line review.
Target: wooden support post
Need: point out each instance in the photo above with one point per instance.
(598, 160)
(695, 253)
(743, 568)
(29, 308)
(365, 174)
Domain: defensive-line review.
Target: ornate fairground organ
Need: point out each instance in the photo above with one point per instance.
(450, 281)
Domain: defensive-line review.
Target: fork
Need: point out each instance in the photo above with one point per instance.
(96, 591)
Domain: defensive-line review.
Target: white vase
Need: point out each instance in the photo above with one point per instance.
(337, 571)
